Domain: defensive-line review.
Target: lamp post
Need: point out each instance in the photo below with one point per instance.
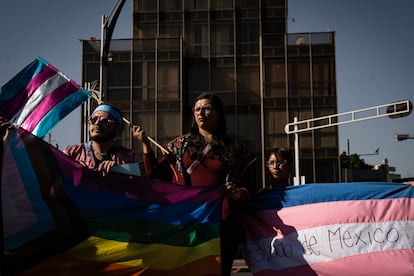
(107, 29)
(402, 137)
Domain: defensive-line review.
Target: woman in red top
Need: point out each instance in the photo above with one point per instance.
(206, 156)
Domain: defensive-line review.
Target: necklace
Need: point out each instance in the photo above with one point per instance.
(99, 154)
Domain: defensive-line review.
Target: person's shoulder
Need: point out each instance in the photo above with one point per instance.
(73, 148)
(181, 137)
(179, 140)
(178, 143)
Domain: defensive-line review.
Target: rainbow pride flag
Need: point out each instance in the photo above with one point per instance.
(362, 228)
(39, 96)
(59, 218)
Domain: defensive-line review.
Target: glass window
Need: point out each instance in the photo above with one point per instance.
(169, 4)
(168, 125)
(196, 4)
(170, 30)
(221, 4)
(168, 80)
(222, 39)
(222, 79)
(137, 74)
(147, 5)
(198, 77)
(197, 40)
(247, 4)
(118, 74)
(275, 73)
(248, 79)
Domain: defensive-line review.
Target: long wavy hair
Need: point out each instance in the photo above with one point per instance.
(222, 145)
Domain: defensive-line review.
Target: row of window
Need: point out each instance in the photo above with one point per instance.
(154, 5)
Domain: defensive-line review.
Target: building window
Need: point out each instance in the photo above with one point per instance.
(196, 40)
(221, 4)
(147, 5)
(169, 5)
(222, 39)
(198, 77)
(275, 80)
(248, 79)
(168, 80)
(196, 4)
(222, 79)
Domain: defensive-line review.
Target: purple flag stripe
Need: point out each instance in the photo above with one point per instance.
(38, 96)
(48, 103)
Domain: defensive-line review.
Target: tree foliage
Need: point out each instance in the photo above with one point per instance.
(353, 161)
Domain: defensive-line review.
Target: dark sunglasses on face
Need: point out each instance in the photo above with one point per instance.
(102, 120)
(206, 109)
(274, 163)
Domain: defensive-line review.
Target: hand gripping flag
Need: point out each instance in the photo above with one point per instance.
(39, 96)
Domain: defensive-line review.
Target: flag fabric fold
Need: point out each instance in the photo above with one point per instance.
(331, 229)
(60, 218)
(39, 96)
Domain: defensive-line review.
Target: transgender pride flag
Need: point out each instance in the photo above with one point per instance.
(332, 229)
(39, 96)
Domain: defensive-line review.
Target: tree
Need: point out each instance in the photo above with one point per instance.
(353, 161)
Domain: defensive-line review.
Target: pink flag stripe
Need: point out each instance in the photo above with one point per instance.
(18, 102)
(327, 213)
(386, 263)
(46, 104)
(45, 89)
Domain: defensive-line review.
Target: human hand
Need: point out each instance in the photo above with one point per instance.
(233, 191)
(4, 126)
(139, 133)
(105, 166)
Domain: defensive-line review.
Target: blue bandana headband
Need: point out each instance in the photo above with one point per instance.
(111, 110)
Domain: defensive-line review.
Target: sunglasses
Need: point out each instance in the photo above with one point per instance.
(102, 120)
(206, 109)
(276, 164)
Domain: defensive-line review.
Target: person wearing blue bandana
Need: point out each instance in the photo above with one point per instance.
(101, 152)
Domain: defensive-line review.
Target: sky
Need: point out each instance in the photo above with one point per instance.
(374, 59)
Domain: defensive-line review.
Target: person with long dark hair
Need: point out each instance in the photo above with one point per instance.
(206, 156)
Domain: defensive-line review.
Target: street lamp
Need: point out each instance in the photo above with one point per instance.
(402, 137)
(107, 29)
